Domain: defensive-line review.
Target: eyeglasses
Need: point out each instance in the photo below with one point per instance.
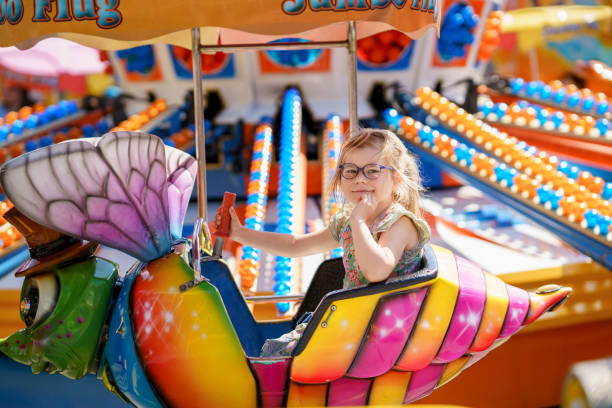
(371, 171)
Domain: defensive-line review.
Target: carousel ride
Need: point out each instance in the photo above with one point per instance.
(275, 383)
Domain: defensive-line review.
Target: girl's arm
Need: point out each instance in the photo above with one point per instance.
(281, 244)
(377, 259)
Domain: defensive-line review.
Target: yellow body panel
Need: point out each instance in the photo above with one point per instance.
(435, 318)
(390, 388)
(306, 395)
(493, 315)
(452, 370)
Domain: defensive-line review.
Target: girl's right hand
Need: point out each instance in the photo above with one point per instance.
(235, 223)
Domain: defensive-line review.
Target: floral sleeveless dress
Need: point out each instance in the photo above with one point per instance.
(340, 229)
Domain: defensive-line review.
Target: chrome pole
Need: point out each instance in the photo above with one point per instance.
(352, 76)
(274, 298)
(274, 46)
(198, 105)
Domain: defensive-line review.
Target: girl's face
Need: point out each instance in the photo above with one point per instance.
(382, 187)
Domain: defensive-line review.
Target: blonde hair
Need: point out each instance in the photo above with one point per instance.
(393, 153)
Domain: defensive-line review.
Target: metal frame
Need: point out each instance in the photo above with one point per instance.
(196, 47)
(274, 298)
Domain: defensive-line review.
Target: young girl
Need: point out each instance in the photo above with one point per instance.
(380, 228)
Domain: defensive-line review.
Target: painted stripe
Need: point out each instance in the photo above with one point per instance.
(452, 370)
(467, 314)
(388, 334)
(272, 378)
(348, 392)
(517, 310)
(301, 395)
(437, 310)
(332, 349)
(390, 388)
(423, 382)
(494, 314)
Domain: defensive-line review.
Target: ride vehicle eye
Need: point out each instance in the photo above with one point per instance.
(38, 298)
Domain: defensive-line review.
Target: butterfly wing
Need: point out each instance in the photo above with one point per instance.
(112, 190)
(181, 170)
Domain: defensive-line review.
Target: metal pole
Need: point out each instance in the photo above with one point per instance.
(352, 77)
(274, 46)
(198, 105)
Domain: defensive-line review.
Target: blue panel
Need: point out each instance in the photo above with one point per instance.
(250, 333)
(20, 388)
(120, 354)
(242, 319)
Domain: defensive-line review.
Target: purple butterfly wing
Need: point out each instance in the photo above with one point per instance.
(112, 190)
(181, 170)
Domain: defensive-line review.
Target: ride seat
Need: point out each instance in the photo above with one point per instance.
(328, 277)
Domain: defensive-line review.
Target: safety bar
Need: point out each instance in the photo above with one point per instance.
(274, 298)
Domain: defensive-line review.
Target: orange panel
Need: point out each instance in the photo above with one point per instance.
(306, 395)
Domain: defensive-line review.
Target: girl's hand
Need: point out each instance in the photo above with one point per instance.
(235, 223)
(365, 208)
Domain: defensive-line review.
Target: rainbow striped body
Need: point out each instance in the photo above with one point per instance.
(392, 343)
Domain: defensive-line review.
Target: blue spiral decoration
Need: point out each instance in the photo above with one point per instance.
(291, 129)
(257, 199)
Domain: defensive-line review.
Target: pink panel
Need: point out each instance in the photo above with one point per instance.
(272, 377)
(517, 310)
(423, 382)
(348, 392)
(388, 335)
(468, 312)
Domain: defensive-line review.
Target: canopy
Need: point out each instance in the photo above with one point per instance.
(52, 57)
(134, 22)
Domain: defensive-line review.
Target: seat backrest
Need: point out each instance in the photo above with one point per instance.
(328, 277)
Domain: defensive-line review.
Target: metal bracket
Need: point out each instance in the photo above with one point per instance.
(196, 257)
(332, 309)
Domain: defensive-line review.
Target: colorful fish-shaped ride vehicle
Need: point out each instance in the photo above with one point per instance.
(155, 344)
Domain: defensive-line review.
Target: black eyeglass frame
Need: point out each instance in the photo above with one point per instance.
(362, 169)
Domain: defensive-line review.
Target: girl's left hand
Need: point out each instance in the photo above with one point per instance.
(365, 208)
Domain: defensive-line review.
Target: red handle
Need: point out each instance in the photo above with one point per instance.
(228, 202)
